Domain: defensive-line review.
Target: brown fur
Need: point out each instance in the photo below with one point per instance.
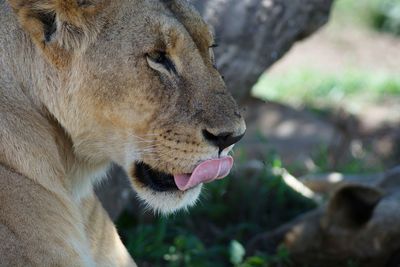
(77, 92)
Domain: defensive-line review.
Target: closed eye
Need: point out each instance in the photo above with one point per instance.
(159, 60)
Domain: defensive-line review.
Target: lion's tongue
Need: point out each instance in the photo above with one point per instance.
(207, 171)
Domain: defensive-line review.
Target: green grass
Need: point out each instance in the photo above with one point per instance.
(316, 89)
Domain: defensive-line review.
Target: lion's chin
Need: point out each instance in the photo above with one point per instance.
(159, 191)
(168, 202)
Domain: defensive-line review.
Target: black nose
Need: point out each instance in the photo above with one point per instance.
(222, 140)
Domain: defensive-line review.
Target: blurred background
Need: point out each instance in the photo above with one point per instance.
(315, 182)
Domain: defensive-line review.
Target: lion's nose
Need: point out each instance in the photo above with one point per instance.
(222, 140)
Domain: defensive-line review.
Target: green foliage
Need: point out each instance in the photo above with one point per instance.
(281, 258)
(382, 15)
(216, 231)
(386, 16)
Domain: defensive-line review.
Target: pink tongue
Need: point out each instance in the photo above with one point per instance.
(206, 172)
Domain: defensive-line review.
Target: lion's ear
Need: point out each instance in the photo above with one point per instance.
(59, 26)
(352, 206)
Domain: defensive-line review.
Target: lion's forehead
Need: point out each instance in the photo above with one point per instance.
(171, 19)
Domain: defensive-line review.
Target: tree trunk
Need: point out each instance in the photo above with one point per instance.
(252, 35)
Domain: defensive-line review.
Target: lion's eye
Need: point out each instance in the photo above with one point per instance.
(159, 58)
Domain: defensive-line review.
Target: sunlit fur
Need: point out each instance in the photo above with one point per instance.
(85, 95)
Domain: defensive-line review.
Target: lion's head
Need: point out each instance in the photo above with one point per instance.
(137, 84)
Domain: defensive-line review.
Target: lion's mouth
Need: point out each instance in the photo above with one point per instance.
(207, 171)
(156, 180)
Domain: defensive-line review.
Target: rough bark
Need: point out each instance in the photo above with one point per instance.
(251, 35)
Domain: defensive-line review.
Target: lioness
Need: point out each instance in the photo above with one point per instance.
(84, 83)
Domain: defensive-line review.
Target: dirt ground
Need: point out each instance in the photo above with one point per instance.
(334, 48)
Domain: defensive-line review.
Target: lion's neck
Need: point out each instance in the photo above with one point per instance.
(31, 140)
